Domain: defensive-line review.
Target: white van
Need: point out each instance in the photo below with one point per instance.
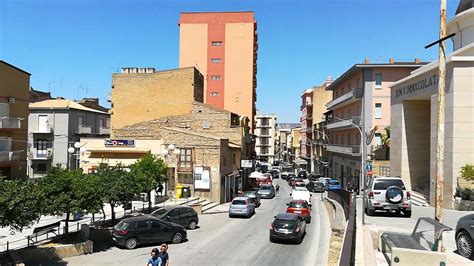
(301, 193)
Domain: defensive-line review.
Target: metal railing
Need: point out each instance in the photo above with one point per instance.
(104, 130)
(81, 129)
(10, 122)
(9, 156)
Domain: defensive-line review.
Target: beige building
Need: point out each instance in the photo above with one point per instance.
(414, 117)
(295, 143)
(14, 99)
(321, 96)
(265, 133)
(223, 47)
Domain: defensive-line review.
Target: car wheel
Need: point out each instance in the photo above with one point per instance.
(407, 214)
(177, 238)
(131, 243)
(192, 225)
(464, 244)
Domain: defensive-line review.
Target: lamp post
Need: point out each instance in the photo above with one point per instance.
(76, 148)
(172, 150)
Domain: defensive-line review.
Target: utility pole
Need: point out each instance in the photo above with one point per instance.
(440, 115)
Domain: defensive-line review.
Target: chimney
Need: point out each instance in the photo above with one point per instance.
(391, 61)
(366, 60)
(417, 60)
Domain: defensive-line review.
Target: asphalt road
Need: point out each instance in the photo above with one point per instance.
(221, 240)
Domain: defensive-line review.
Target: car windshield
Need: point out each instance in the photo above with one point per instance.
(284, 224)
(121, 226)
(384, 184)
(265, 188)
(159, 212)
(334, 183)
(239, 202)
(319, 184)
(296, 204)
(250, 194)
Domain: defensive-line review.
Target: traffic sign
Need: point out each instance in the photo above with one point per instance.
(369, 166)
(369, 172)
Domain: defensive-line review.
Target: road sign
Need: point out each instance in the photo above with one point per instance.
(369, 172)
(369, 167)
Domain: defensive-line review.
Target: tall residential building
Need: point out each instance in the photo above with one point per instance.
(223, 47)
(361, 97)
(306, 124)
(321, 96)
(265, 133)
(54, 126)
(283, 140)
(14, 98)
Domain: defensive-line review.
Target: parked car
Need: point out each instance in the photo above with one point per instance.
(315, 177)
(266, 191)
(182, 215)
(387, 194)
(146, 229)
(316, 186)
(275, 173)
(300, 207)
(289, 177)
(465, 236)
(284, 175)
(301, 193)
(333, 185)
(294, 180)
(254, 197)
(299, 184)
(241, 206)
(303, 174)
(287, 226)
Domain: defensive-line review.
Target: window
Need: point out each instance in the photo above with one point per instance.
(378, 139)
(41, 168)
(378, 111)
(216, 43)
(214, 93)
(41, 148)
(142, 224)
(185, 158)
(216, 60)
(378, 81)
(156, 224)
(215, 77)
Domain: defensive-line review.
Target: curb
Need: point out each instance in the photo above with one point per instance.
(339, 222)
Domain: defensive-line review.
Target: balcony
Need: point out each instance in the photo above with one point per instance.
(344, 124)
(348, 98)
(353, 150)
(81, 129)
(104, 131)
(9, 156)
(261, 144)
(308, 104)
(36, 154)
(10, 123)
(307, 117)
(263, 125)
(306, 130)
(43, 129)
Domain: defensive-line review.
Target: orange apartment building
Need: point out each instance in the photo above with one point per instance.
(223, 47)
(361, 97)
(306, 125)
(14, 99)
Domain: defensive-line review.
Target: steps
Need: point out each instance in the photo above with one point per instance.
(419, 199)
(205, 204)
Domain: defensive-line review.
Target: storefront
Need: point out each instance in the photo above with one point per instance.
(414, 117)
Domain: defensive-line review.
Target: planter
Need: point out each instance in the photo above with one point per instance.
(464, 205)
(54, 252)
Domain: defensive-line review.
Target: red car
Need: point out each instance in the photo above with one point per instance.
(300, 207)
(294, 180)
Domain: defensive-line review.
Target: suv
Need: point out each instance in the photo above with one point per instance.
(146, 229)
(387, 194)
(182, 215)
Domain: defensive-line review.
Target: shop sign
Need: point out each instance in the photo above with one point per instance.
(202, 177)
(119, 143)
(246, 163)
(427, 82)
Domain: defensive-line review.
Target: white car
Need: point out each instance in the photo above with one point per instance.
(301, 193)
(387, 194)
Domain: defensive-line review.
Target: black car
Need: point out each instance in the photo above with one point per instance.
(275, 173)
(182, 215)
(315, 177)
(288, 226)
(289, 177)
(303, 174)
(316, 186)
(146, 229)
(465, 236)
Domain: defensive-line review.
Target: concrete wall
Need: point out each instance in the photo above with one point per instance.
(143, 97)
(15, 83)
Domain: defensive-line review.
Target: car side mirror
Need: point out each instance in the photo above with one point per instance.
(287, 204)
(290, 194)
(310, 195)
(310, 205)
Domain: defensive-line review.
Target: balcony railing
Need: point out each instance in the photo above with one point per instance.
(9, 156)
(41, 154)
(47, 128)
(353, 150)
(81, 129)
(308, 104)
(10, 122)
(345, 99)
(344, 123)
(104, 131)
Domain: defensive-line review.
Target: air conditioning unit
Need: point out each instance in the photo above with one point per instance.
(11, 99)
(205, 125)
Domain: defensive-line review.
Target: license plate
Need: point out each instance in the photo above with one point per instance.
(297, 211)
(391, 207)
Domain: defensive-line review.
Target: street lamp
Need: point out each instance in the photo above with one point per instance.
(77, 148)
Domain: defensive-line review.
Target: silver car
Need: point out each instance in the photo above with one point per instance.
(241, 206)
(465, 236)
(387, 194)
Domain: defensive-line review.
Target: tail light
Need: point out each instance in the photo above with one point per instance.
(290, 210)
(297, 229)
(306, 211)
(122, 232)
(408, 195)
(371, 195)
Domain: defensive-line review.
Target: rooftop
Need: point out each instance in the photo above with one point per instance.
(62, 104)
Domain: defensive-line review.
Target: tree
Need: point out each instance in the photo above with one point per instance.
(149, 171)
(467, 172)
(116, 185)
(67, 191)
(386, 141)
(19, 204)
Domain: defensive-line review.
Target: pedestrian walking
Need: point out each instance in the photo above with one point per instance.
(277, 190)
(160, 190)
(165, 258)
(155, 260)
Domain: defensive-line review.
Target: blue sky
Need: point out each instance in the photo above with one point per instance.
(72, 47)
